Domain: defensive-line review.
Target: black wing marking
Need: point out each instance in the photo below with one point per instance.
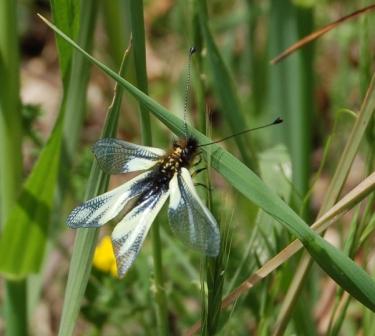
(99, 210)
(189, 218)
(129, 235)
(117, 156)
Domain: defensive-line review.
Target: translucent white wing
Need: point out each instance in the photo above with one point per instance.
(117, 156)
(189, 218)
(101, 209)
(129, 234)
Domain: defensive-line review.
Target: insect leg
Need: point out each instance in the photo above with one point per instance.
(196, 172)
(199, 160)
(202, 185)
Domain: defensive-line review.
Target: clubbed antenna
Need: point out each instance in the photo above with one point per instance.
(192, 50)
(275, 122)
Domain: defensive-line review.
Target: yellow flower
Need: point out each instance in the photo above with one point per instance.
(104, 259)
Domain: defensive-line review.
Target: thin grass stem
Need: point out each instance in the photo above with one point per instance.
(15, 303)
(139, 51)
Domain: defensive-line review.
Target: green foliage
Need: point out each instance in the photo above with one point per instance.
(342, 269)
(84, 245)
(11, 163)
(25, 234)
(225, 90)
(283, 175)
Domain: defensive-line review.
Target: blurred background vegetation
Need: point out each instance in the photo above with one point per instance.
(53, 107)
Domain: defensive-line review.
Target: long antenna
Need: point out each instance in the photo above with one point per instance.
(192, 50)
(275, 122)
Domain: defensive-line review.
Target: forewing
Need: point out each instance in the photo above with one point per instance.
(99, 210)
(189, 218)
(117, 156)
(129, 235)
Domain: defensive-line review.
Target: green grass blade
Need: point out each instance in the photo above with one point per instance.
(365, 53)
(351, 148)
(84, 245)
(354, 197)
(15, 308)
(66, 14)
(215, 269)
(139, 51)
(197, 78)
(10, 113)
(15, 314)
(74, 103)
(225, 91)
(291, 87)
(332, 194)
(341, 268)
(117, 27)
(79, 18)
(24, 237)
(138, 31)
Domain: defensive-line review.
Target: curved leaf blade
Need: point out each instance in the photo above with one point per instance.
(26, 230)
